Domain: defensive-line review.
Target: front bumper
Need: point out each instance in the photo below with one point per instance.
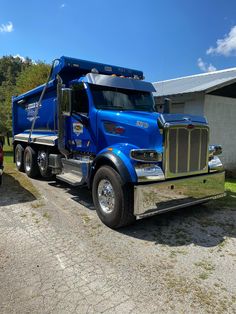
(154, 198)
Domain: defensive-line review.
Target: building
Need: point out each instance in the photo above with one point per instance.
(210, 94)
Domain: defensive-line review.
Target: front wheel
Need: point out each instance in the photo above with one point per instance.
(112, 198)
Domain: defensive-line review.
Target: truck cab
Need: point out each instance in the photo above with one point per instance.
(97, 126)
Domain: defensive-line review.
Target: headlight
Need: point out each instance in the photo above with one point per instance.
(215, 150)
(146, 155)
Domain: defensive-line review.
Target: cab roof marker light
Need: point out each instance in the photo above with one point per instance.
(94, 70)
(108, 68)
(21, 101)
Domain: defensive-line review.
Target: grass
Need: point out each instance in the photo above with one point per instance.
(230, 185)
(8, 154)
(11, 172)
(230, 199)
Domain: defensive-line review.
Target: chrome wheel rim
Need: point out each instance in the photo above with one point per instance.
(42, 160)
(27, 162)
(106, 196)
(18, 158)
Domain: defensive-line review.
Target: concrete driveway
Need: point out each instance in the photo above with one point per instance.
(57, 257)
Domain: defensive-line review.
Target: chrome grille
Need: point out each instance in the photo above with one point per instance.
(186, 150)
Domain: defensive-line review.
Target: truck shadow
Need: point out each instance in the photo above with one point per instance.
(207, 225)
(13, 192)
(81, 195)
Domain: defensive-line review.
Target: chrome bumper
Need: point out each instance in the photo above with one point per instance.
(154, 198)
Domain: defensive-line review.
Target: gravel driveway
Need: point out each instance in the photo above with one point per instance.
(57, 257)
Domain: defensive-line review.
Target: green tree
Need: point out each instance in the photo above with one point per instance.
(10, 67)
(17, 76)
(32, 77)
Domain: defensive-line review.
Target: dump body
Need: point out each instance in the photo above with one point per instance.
(95, 119)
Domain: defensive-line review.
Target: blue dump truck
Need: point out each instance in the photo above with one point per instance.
(95, 124)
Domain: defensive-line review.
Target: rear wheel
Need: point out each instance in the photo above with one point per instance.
(19, 157)
(30, 162)
(112, 198)
(43, 164)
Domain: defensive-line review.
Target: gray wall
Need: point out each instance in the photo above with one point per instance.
(221, 115)
(190, 103)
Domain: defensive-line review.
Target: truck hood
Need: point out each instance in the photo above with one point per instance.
(136, 128)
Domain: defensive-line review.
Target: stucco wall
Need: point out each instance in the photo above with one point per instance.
(195, 105)
(221, 115)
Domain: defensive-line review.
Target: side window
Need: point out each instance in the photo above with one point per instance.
(80, 99)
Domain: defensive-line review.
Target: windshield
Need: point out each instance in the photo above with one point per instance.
(111, 98)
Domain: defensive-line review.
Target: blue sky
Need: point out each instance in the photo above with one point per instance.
(164, 38)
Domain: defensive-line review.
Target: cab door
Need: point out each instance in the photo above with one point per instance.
(80, 133)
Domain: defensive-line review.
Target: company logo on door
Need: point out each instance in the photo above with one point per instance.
(78, 128)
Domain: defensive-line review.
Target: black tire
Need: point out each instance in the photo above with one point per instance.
(121, 213)
(43, 163)
(30, 162)
(19, 157)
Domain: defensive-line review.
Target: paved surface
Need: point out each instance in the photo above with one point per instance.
(56, 257)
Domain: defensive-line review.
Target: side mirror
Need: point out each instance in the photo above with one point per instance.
(66, 101)
(167, 105)
(215, 150)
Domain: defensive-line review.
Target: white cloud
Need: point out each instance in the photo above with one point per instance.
(225, 46)
(20, 57)
(23, 59)
(6, 28)
(62, 5)
(204, 66)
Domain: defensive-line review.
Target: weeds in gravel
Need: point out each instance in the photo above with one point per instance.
(175, 253)
(208, 299)
(46, 215)
(221, 245)
(37, 204)
(207, 266)
(203, 276)
(86, 219)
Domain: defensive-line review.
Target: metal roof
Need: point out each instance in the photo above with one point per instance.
(205, 82)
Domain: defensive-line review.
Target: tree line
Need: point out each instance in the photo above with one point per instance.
(17, 75)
